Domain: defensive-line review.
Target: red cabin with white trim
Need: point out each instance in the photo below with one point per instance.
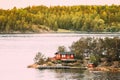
(64, 55)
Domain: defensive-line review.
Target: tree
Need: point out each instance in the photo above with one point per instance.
(97, 48)
(80, 47)
(78, 18)
(39, 58)
(55, 27)
(61, 49)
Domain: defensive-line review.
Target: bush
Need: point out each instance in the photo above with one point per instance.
(39, 58)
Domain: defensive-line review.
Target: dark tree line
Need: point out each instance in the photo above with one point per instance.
(78, 18)
(97, 48)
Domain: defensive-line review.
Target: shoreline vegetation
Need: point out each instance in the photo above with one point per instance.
(94, 69)
(94, 54)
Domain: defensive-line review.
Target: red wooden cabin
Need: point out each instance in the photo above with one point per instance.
(64, 55)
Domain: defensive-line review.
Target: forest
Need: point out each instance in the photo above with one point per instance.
(98, 49)
(84, 18)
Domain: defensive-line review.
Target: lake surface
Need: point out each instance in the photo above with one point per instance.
(18, 50)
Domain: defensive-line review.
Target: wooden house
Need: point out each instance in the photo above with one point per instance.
(64, 56)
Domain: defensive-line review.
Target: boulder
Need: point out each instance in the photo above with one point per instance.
(33, 66)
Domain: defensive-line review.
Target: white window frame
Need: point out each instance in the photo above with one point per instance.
(63, 55)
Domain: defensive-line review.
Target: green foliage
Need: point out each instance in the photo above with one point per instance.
(39, 58)
(61, 49)
(76, 18)
(80, 46)
(97, 48)
(95, 58)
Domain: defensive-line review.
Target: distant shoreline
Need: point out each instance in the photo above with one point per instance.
(76, 32)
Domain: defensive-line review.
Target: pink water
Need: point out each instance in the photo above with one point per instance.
(18, 50)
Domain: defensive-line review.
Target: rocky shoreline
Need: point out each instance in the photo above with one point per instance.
(104, 69)
(95, 69)
(36, 66)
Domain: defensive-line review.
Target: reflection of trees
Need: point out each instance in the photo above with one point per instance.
(68, 71)
(69, 74)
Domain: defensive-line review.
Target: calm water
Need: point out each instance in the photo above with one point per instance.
(18, 50)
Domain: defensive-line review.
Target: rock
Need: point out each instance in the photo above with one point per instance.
(104, 64)
(33, 66)
(104, 59)
(115, 64)
(50, 64)
(105, 69)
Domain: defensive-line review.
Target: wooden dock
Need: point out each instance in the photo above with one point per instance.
(61, 67)
(54, 67)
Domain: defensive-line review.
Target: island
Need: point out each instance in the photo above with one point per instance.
(93, 54)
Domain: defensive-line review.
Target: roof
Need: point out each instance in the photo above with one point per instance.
(64, 53)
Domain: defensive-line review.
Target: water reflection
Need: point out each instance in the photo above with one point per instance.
(70, 74)
(61, 74)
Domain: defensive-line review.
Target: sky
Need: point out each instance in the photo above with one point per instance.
(8, 4)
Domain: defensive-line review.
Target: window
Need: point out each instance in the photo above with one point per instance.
(63, 56)
(58, 55)
(72, 56)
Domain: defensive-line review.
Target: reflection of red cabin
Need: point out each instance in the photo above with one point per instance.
(64, 55)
